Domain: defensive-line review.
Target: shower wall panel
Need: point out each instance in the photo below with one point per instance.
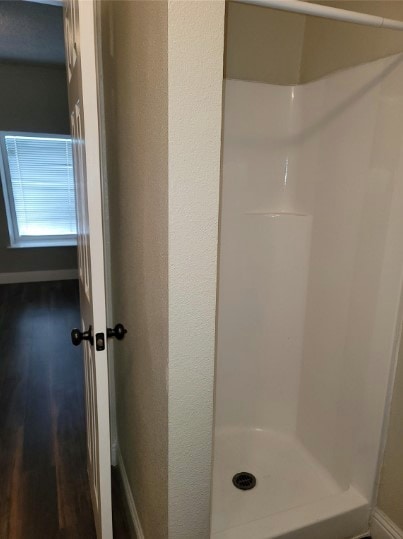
(352, 142)
(262, 320)
(264, 262)
(311, 261)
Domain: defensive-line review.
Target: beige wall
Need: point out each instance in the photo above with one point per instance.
(283, 48)
(263, 44)
(195, 72)
(163, 72)
(331, 45)
(135, 71)
(390, 495)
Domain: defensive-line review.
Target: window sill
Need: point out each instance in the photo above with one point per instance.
(42, 244)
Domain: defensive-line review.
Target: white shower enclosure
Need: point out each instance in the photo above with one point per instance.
(309, 301)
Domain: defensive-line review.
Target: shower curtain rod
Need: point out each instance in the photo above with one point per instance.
(327, 12)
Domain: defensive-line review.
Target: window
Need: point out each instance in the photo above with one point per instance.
(38, 185)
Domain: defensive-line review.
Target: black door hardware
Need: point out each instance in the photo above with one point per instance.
(78, 336)
(119, 332)
(100, 342)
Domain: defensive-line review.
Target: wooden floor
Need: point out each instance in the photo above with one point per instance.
(44, 491)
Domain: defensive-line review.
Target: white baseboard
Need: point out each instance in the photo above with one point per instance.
(38, 276)
(383, 528)
(136, 524)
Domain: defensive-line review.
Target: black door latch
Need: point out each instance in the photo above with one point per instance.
(100, 342)
(119, 332)
(78, 336)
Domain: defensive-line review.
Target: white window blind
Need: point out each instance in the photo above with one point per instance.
(40, 188)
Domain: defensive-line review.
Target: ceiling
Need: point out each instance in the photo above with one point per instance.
(31, 33)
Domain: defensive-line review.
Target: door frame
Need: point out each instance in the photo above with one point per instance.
(106, 227)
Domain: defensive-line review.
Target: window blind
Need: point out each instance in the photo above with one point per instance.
(42, 183)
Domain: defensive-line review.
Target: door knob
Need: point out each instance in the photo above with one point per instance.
(119, 332)
(78, 336)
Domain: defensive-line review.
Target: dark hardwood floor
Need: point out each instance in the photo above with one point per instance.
(44, 490)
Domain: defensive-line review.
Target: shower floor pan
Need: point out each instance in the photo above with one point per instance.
(294, 496)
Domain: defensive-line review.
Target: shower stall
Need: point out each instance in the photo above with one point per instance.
(309, 301)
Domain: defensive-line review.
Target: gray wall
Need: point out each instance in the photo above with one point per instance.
(33, 98)
(31, 33)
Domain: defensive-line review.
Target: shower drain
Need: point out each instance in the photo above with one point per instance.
(244, 480)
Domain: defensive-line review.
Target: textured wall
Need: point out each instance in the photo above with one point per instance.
(257, 37)
(267, 45)
(163, 65)
(135, 71)
(195, 57)
(331, 45)
(32, 98)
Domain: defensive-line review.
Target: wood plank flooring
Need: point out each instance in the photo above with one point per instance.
(44, 490)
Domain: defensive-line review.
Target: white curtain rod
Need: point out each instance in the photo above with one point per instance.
(327, 12)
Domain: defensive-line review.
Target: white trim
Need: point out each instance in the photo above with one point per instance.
(106, 228)
(44, 241)
(38, 276)
(135, 521)
(383, 528)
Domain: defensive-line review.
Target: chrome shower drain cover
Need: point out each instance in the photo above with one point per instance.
(244, 480)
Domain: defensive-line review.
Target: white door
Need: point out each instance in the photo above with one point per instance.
(83, 107)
